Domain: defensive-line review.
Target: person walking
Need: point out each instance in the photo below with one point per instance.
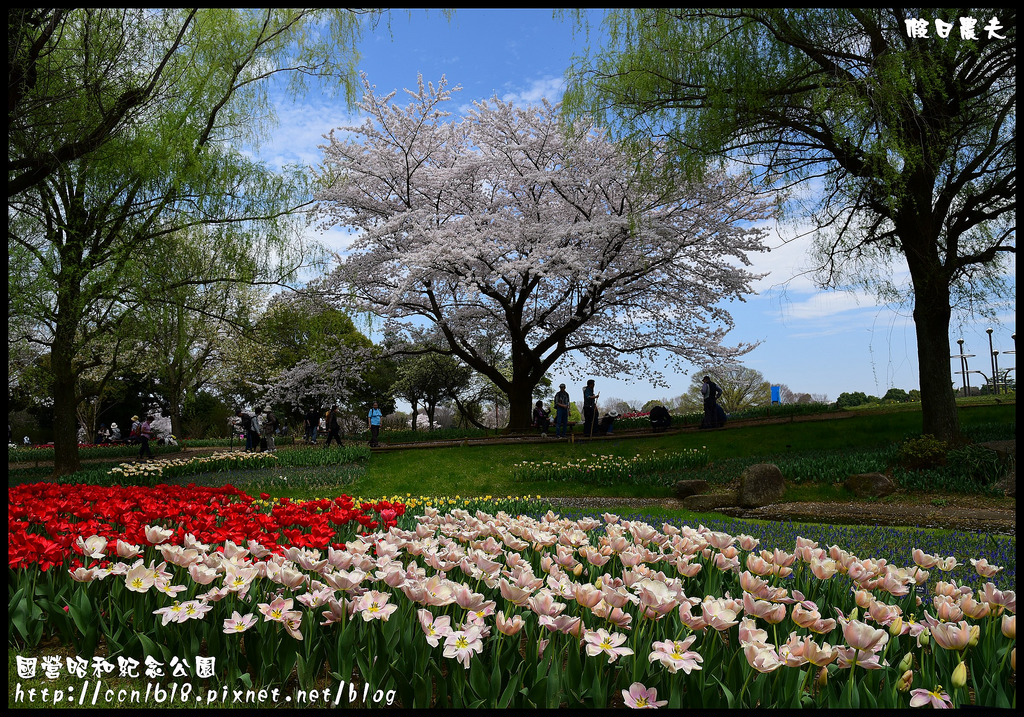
(373, 419)
(589, 408)
(561, 412)
(145, 432)
(333, 426)
(710, 392)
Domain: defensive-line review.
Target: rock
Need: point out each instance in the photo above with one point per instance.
(1004, 449)
(870, 485)
(703, 503)
(685, 488)
(1007, 485)
(760, 484)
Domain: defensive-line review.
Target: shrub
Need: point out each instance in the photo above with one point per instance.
(927, 451)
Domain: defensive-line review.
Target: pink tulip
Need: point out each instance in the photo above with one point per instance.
(639, 697)
(862, 636)
(936, 699)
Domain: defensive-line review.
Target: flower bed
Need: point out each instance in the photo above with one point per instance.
(472, 610)
(655, 468)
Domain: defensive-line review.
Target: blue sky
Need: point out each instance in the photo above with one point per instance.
(815, 342)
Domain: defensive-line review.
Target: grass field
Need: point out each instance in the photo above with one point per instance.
(487, 469)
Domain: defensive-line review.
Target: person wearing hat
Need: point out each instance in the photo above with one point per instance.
(115, 433)
(268, 427)
(134, 433)
(561, 411)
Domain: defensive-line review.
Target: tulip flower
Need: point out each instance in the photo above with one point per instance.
(950, 636)
(676, 656)
(863, 637)
(935, 698)
(959, 677)
(905, 681)
(983, 568)
(603, 641)
(239, 623)
(461, 644)
(639, 697)
(509, 626)
(761, 657)
(434, 628)
(1009, 626)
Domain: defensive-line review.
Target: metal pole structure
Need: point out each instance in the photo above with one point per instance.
(963, 367)
(992, 360)
(995, 373)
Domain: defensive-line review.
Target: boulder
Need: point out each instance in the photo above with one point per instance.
(760, 484)
(870, 485)
(685, 488)
(704, 503)
(1007, 485)
(1006, 450)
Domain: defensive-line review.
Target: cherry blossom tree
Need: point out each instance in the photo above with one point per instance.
(510, 223)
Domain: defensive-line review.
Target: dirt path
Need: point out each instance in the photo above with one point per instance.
(970, 513)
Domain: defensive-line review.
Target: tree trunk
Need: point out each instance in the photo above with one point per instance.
(938, 402)
(65, 415)
(520, 406)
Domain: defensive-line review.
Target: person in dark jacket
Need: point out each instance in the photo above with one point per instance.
(541, 418)
(333, 426)
(660, 418)
(711, 393)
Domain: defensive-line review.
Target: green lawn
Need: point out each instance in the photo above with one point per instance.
(487, 469)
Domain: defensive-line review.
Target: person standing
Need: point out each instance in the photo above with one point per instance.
(710, 392)
(312, 424)
(333, 426)
(589, 408)
(133, 434)
(245, 421)
(145, 432)
(561, 411)
(541, 418)
(269, 428)
(373, 419)
(256, 430)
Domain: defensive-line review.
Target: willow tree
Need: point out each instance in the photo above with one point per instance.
(510, 226)
(163, 100)
(905, 139)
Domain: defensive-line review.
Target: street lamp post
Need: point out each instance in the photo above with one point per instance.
(1011, 351)
(963, 368)
(992, 361)
(964, 371)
